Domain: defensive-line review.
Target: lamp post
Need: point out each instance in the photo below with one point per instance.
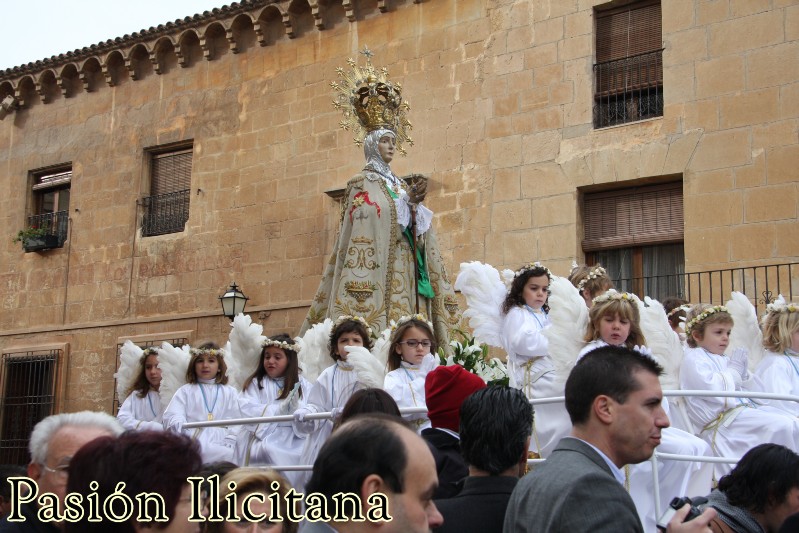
(233, 301)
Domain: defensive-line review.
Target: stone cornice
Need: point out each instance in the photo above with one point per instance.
(51, 75)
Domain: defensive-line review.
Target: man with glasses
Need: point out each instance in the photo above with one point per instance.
(53, 442)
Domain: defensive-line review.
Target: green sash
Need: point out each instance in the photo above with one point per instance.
(423, 281)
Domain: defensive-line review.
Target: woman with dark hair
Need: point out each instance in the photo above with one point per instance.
(760, 492)
(132, 464)
(263, 483)
(368, 401)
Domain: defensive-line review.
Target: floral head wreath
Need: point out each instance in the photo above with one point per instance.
(531, 266)
(691, 324)
(677, 310)
(593, 274)
(283, 345)
(147, 352)
(613, 294)
(779, 306)
(343, 318)
(403, 319)
(207, 351)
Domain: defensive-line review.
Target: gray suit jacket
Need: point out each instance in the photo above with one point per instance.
(573, 491)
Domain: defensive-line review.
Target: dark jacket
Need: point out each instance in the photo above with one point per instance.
(32, 524)
(450, 465)
(479, 507)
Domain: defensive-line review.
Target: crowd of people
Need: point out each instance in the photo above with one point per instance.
(461, 464)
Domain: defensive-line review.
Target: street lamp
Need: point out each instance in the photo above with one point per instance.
(233, 301)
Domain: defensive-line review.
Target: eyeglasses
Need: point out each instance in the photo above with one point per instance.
(413, 343)
(60, 472)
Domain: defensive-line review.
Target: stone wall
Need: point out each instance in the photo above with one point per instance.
(501, 96)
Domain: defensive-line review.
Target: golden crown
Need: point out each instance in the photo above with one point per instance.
(370, 101)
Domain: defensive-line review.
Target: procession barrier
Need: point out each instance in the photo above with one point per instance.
(553, 399)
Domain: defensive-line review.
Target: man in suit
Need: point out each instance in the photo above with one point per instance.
(613, 398)
(495, 428)
(389, 471)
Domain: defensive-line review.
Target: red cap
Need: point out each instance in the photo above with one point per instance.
(445, 388)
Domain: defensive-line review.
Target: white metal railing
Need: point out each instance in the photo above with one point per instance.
(538, 401)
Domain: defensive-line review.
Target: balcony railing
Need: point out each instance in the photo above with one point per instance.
(628, 89)
(761, 284)
(54, 223)
(165, 213)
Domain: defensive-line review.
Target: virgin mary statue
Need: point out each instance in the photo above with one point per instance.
(386, 263)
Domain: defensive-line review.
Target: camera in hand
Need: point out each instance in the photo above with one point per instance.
(676, 504)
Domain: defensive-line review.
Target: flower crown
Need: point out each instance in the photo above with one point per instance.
(782, 307)
(778, 306)
(677, 310)
(207, 351)
(593, 274)
(689, 326)
(613, 294)
(531, 266)
(344, 318)
(147, 352)
(283, 345)
(403, 319)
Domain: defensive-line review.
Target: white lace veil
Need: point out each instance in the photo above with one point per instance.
(374, 161)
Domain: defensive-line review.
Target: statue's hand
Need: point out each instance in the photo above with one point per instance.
(418, 189)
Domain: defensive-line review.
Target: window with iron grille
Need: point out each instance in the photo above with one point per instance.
(176, 341)
(637, 234)
(28, 388)
(166, 210)
(50, 206)
(628, 74)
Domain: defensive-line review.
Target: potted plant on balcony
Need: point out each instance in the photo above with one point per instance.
(35, 239)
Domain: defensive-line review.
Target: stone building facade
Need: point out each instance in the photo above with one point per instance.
(504, 106)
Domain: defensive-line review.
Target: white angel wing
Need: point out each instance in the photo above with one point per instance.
(507, 278)
(746, 330)
(381, 346)
(484, 292)
(129, 357)
(243, 350)
(368, 368)
(173, 363)
(662, 340)
(568, 316)
(314, 352)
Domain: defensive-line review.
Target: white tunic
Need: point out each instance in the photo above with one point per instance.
(674, 477)
(142, 413)
(406, 385)
(276, 443)
(731, 425)
(531, 370)
(779, 373)
(331, 391)
(189, 404)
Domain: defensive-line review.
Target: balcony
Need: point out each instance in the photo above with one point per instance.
(165, 213)
(54, 227)
(761, 284)
(628, 89)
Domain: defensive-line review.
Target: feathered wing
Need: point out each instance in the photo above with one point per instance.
(128, 371)
(368, 368)
(381, 346)
(568, 318)
(484, 291)
(662, 340)
(173, 362)
(314, 352)
(746, 330)
(243, 349)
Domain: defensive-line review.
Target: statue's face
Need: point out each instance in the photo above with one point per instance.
(385, 147)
